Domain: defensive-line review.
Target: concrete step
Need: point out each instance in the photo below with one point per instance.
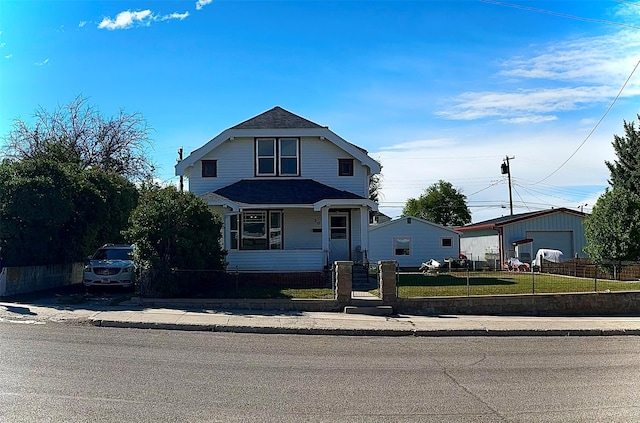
(369, 310)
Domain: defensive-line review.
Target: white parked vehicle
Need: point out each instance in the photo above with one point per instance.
(111, 265)
(555, 256)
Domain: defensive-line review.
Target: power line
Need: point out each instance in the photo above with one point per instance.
(562, 15)
(596, 126)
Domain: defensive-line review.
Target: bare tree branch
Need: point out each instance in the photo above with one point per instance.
(79, 133)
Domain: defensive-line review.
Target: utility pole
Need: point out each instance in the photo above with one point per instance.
(181, 178)
(506, 169)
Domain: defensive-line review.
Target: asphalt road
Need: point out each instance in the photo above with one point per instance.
(71, 373)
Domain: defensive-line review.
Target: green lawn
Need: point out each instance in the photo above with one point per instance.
(497, 283)
(271, 292)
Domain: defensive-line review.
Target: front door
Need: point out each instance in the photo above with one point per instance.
(339, 240)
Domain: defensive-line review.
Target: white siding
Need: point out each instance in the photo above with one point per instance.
(425, 242)
(298, 229)
(481, 246)
(276, 260)
(235, 162)
(318, 161)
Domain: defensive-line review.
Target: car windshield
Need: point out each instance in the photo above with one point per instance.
(113, 254)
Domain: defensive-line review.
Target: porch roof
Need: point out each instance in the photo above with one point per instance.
(282, 191)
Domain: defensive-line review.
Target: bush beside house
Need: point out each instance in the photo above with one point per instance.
(177, 242)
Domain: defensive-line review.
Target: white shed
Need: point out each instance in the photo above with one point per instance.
(411, 241)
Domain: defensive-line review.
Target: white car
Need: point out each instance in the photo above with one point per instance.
(111, 265)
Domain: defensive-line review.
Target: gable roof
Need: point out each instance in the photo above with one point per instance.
(277, 122)
(282, 191)
(507, 220)
(276, 118)
(413, 219)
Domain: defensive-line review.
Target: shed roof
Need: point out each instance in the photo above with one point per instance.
(408, 219)
(507, 220)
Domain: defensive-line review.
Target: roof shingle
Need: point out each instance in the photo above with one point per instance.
(282, 191)
(276, 118)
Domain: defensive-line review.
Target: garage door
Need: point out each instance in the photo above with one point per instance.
(555, 240)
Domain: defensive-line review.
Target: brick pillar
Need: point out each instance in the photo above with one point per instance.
(343, 272)
(387, 284)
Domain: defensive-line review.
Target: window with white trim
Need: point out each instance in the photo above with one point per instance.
(446, 242)
(266, 156)
(288, 156)
(402, 246)
(256, 230)
(277, 157)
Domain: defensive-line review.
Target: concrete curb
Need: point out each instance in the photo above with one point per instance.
(273, 330)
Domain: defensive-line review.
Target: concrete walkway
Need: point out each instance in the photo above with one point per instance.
(322, 323)
(132, 315)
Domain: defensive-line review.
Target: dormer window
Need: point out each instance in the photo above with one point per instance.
(277, 157)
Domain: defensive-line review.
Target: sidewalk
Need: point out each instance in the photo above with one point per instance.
(322, 323)
(317, 323)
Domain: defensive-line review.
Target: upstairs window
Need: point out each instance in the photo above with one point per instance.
(209, 168)
(446, 242)
(289, 157)
(345, 167)
(266, 156)
(277, 157)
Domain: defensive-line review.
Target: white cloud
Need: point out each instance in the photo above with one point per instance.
(420, 145)
(587, 70)
(44, 62)
(175, 15)
(126, 19)
(529, 103)
(530, 119)
(202, 3)
(8, 56)
(82, 24)
(3, 44)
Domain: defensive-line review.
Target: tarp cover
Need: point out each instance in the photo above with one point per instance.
(555, 256)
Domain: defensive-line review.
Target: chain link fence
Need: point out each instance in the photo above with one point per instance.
(577, 275)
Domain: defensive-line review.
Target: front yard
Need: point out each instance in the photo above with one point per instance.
(501, 283)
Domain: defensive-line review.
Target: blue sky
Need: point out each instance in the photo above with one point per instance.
(432, 89)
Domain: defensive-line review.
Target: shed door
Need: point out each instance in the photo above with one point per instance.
(554, 240)
(339, 239)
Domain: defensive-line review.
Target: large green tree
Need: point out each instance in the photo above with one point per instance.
(613, 228)
(440, 203)
(54, 212)
(625, 171)
(78, 133)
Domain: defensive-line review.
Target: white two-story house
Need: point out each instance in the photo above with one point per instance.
(293, 195)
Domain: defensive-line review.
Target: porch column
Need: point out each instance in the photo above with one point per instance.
(364, 230)
(325, 229)
(225, 231)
